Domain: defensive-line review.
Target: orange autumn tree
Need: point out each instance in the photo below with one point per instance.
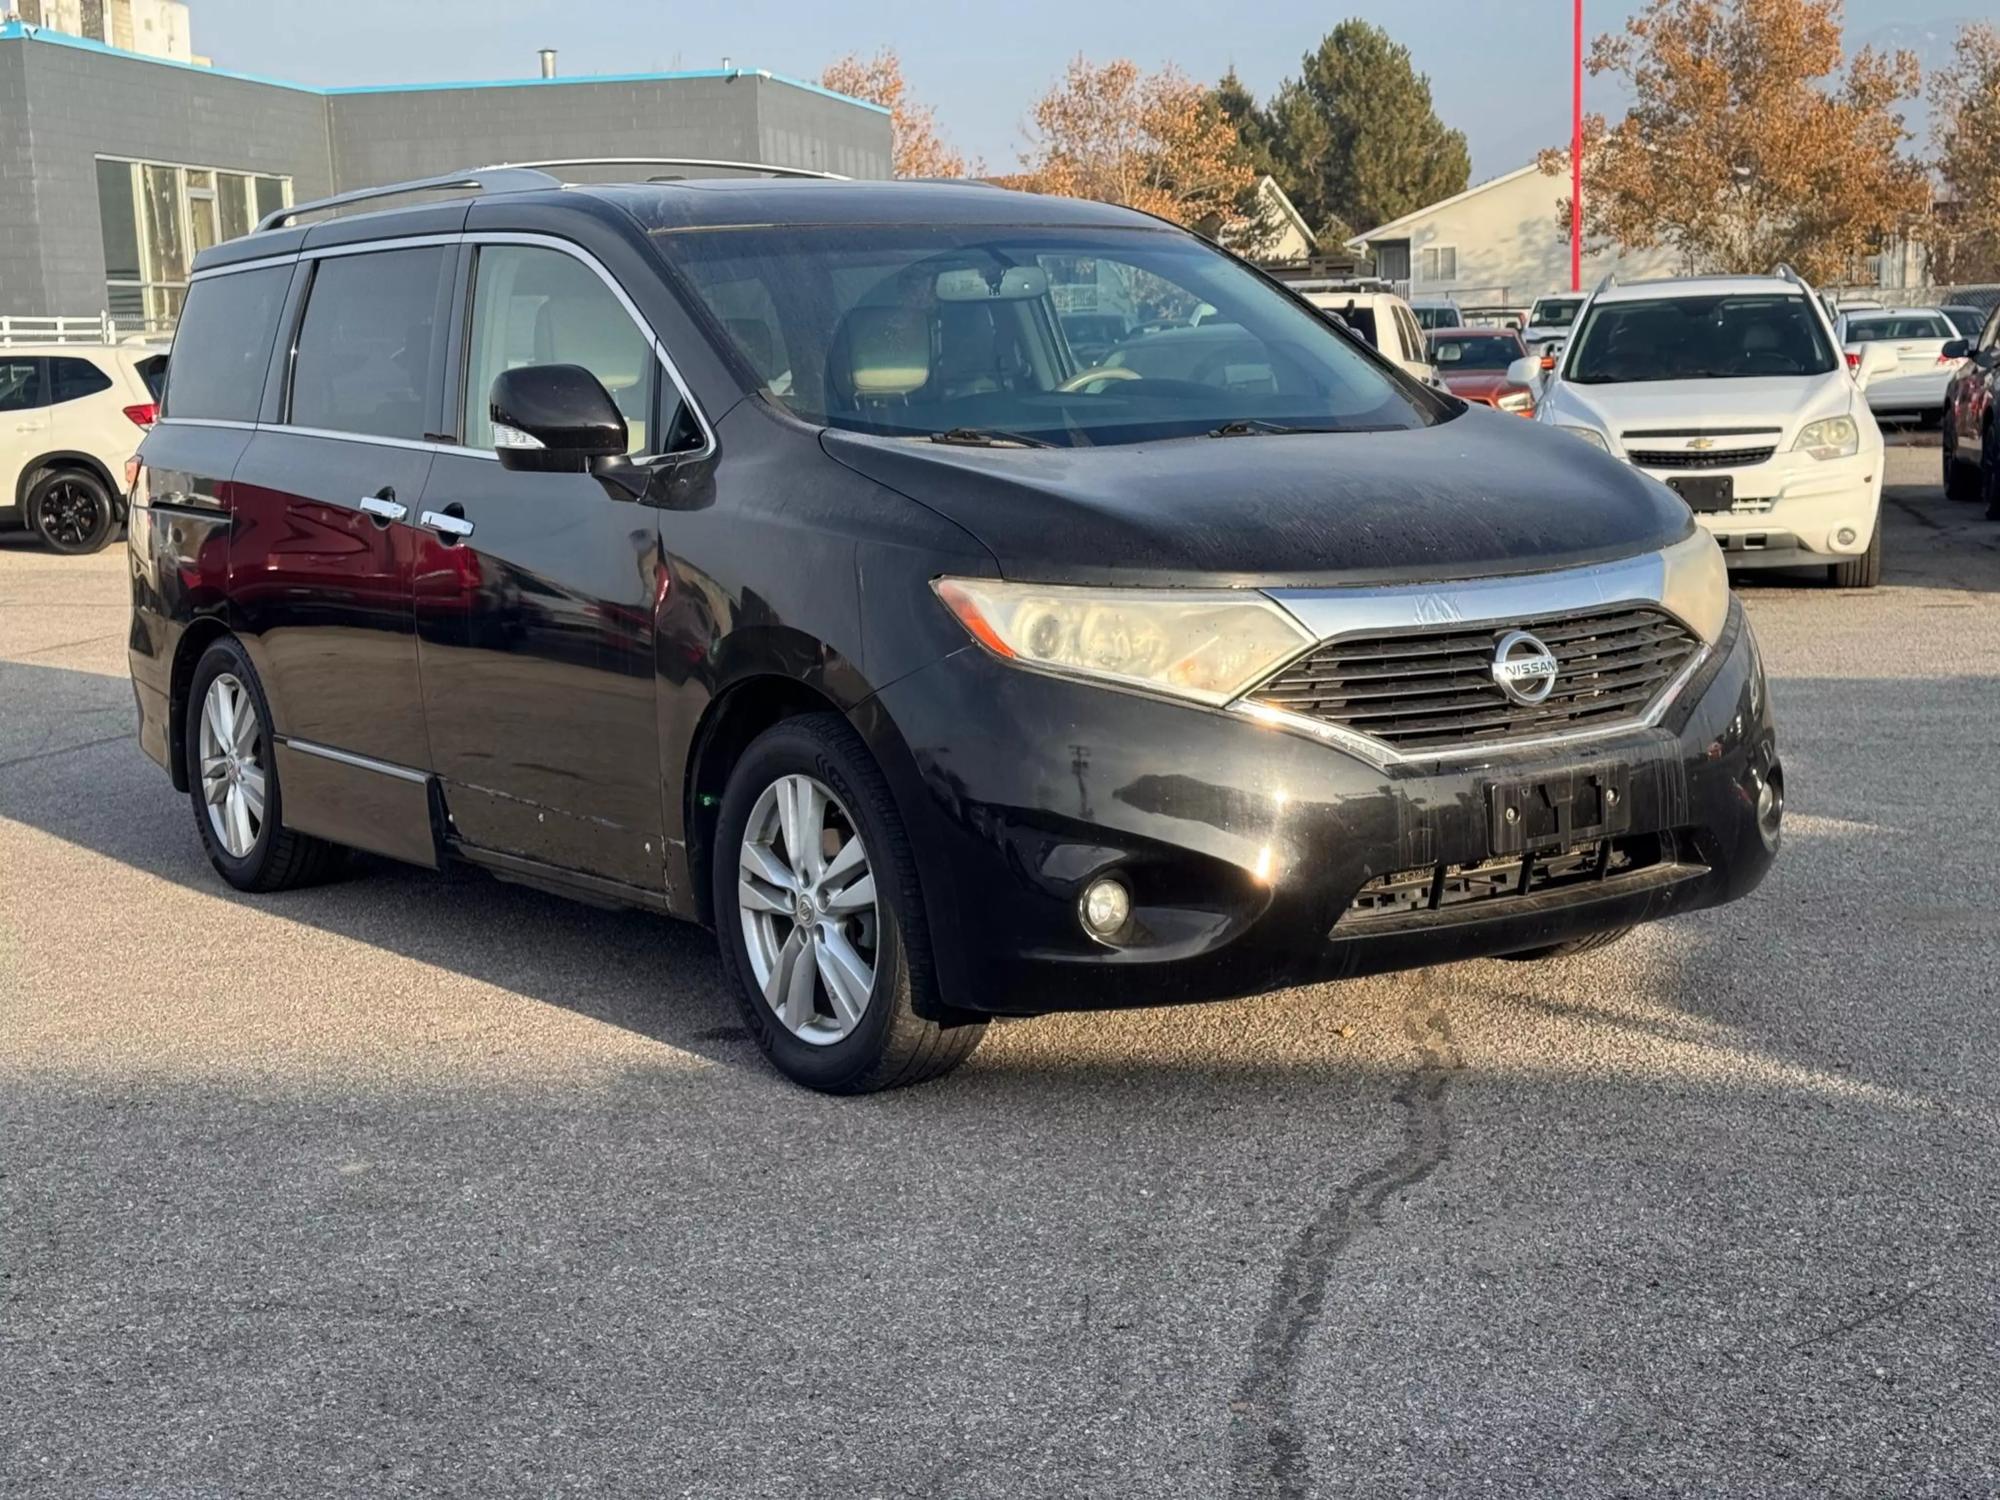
(1153, 141)
(919, 151)
(1964, 237)
(1747, 143)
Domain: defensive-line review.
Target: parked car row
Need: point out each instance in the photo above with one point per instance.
(762, 553)
(1971, 421)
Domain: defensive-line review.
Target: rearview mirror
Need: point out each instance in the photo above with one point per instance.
(1525, 371)
(1958, 349)
(554, 419)
(970, 284)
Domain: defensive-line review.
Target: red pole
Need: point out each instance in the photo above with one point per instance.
(1576, 155)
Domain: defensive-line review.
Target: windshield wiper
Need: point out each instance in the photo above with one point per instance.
(980, 437)
(1254, 427)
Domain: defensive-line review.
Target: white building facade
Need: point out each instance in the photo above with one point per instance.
(1498, 243)
(152, 28)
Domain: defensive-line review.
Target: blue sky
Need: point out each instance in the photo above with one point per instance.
(1498, 68)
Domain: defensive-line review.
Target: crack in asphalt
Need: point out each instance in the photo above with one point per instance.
(1266, 1459)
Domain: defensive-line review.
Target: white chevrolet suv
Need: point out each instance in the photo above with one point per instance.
(1735, 393)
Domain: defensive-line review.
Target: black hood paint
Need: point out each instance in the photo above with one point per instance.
(1480, 495)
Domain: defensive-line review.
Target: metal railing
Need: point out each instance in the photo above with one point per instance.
(102, 329)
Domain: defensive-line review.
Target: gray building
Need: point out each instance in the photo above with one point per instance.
(116, 168)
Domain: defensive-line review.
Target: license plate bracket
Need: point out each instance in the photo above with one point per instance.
(1704, 492)
(1568, 807)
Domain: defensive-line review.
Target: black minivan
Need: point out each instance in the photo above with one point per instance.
(767, 553)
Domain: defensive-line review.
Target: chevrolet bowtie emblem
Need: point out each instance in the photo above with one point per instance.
(1702, 445)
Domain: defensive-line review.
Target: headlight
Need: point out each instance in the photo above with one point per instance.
(1589, 434)
(1199, 644)
(1835, 437)
(1518, 399)
(1696, 586)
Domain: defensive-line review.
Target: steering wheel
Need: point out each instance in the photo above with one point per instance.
(1086, 378)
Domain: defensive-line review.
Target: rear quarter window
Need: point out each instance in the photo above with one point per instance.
(222, 348)
(71, 379)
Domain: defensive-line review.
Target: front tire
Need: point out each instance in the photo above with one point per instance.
(71, 512)
(233, 780)
(1862, 572)
(820, 918)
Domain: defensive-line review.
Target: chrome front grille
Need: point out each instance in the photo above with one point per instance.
(1432, 688)
(1686, 458)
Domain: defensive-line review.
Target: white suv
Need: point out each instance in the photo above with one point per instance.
(70, 416)
(1734, 392)
(1382, 318)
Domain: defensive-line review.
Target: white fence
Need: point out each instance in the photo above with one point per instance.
(101, 329)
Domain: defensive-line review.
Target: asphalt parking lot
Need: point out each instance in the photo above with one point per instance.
(433, 1185)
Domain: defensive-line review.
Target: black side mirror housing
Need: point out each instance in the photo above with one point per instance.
(1958, 349)
(555, 419)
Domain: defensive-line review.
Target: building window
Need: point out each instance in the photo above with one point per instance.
(1438, 263)
(157, 216)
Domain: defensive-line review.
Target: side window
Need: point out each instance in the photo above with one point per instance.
(72, 379)
(222, 347)
(364, 362)
(534, 306)
(1413, 341)
(20, 384)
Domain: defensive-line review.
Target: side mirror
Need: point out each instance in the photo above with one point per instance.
(554, 419)
(1957, 349)
(1876, 359)
(1525, 371)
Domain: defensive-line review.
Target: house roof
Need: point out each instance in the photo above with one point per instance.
(1396, 227)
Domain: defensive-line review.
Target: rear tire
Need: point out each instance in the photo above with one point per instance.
(1961, 479)
(1588, 944)
(233, 780)
(813, 774)
(71, 511)
(1862, 572)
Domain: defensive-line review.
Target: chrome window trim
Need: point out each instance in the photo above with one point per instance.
(231, 423)
(349, 758)
(1330, 615)
(293, 429)
(262, 263)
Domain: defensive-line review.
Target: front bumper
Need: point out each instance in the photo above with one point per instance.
(1796, 511)
(1245, 847)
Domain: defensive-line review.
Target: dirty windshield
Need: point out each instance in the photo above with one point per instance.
(1043, 336)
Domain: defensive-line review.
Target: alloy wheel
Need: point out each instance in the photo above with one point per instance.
(233, 772)
(805, 895)
(69, 513)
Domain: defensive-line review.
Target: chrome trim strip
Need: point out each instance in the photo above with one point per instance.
(1378, 754)
(231, 425)
(1329, 614)
(287, 429)
(263, 262)
(360, 762)
(371, 247)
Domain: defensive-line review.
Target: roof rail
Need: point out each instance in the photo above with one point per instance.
(1610, 280)
(480, 179)
(524, 177)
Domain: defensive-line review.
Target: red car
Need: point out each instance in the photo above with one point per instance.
(1472, 363)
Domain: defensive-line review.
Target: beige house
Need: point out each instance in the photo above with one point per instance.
(1496, 243)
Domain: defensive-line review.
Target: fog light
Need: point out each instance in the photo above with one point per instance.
(1106, 908)
(1770, 804)
(1846, 536)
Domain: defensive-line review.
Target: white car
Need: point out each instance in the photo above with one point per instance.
(1383, 319)
(70, 416)
(1733, 391)
(1917, 385)
(1551, 319)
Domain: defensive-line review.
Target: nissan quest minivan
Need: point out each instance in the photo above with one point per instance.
(761, 553)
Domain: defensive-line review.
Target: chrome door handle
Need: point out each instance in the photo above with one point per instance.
(456, 526)
(383, 508)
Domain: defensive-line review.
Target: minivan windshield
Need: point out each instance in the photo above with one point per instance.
(1738, 337)
(1063, 336)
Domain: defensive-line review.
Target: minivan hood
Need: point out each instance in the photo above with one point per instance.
(1784, 402)
(1483, 494)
